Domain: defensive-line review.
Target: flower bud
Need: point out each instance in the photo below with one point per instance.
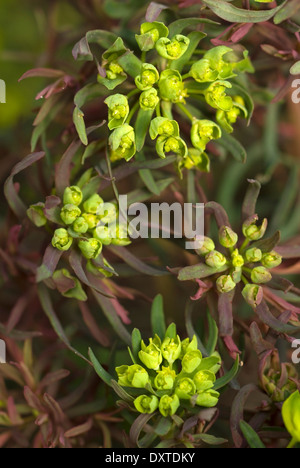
(171, 349)
(253, 232)
(113, 70)
(215, 259)
(148, 77)
(203, 131)
(236, 274)
(102, 233)
(227, 119)
(160, 126)
(191, 361)
(225, 284)
(72, 196)
(227, 237)
(271, 260)
(253, 255)
(62, 240)
(260, 275)
(132, 376)
(216, 95)
(91, 220)
(253, 295)
(171, 86)
(70, 213)
(237, 260)
(165, 379)
(204, 380)
(149, 99)
(187, 345)
(146, 404)
(168, 405)
(172, 49)
(120, 236)
(90, 248)
(195, 159)
(165, 145)
(207, 246)
(122, 143)
(202, 72)
(108, 213)
(36, 214)
(93, 204)
(185, 389)
(291, 416)
(208, 399)
(151, 355)
(80, 226)
(118, 110)
(150, 33)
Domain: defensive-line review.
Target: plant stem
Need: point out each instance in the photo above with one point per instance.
(158, 110)
(132, 112)
(133, 93)
(185, 111)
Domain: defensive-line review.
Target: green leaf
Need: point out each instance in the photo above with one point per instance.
(210, 439)
(234, 147)
(250, 435)
(213, 335)
(130, 64)
(78, 119)
(179, 25)
(171, 331)
(158, 317)
(231, 13)
(287, 11)
(141, 127)
(136, 339)
(223, 381)
(105, 376)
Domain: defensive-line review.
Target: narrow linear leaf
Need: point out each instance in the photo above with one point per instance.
(250, 435)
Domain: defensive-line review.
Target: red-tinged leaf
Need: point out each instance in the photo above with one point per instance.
(199, 271)
(237, 413)
(75, 260)
(64, 167)
(226, 314)
(260, 345)
(241, 32)
(269, 244)
(110, 313)
(104, 39)
(96, 332)
(13, 412)
(219, 213)
(268, 318)
(138, 426)
(79, 430)
(281, 284)
(231, 13)
(13, 199)
(42, 72)
(32, 400)
(249, 205)
(50, 261)
(288, 251)
(203, 288)
(231, 346)
(55, 408)
(4, 438)
(154, 10)
(53, 377)
(18, 310)
(47, 306)
(52, 210)
(135, 263)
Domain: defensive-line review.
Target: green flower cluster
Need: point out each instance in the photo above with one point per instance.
(250, 264)
(161, 88)
(92, 223)
(279, 379)
(171, 375)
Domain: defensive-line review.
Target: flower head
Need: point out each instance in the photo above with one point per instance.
(62, 240)
(150, 34)
(146, 404)
(72, 196)
(70, 213)
(132, 376)
(151, 355)
(149, 99)
(118, 110)
(172, 49)
(291, 416)
(168, 405)
(148, 77)
(122, 143)
(91, 248)
(203, 131)
(216, 96)
(171, 86)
